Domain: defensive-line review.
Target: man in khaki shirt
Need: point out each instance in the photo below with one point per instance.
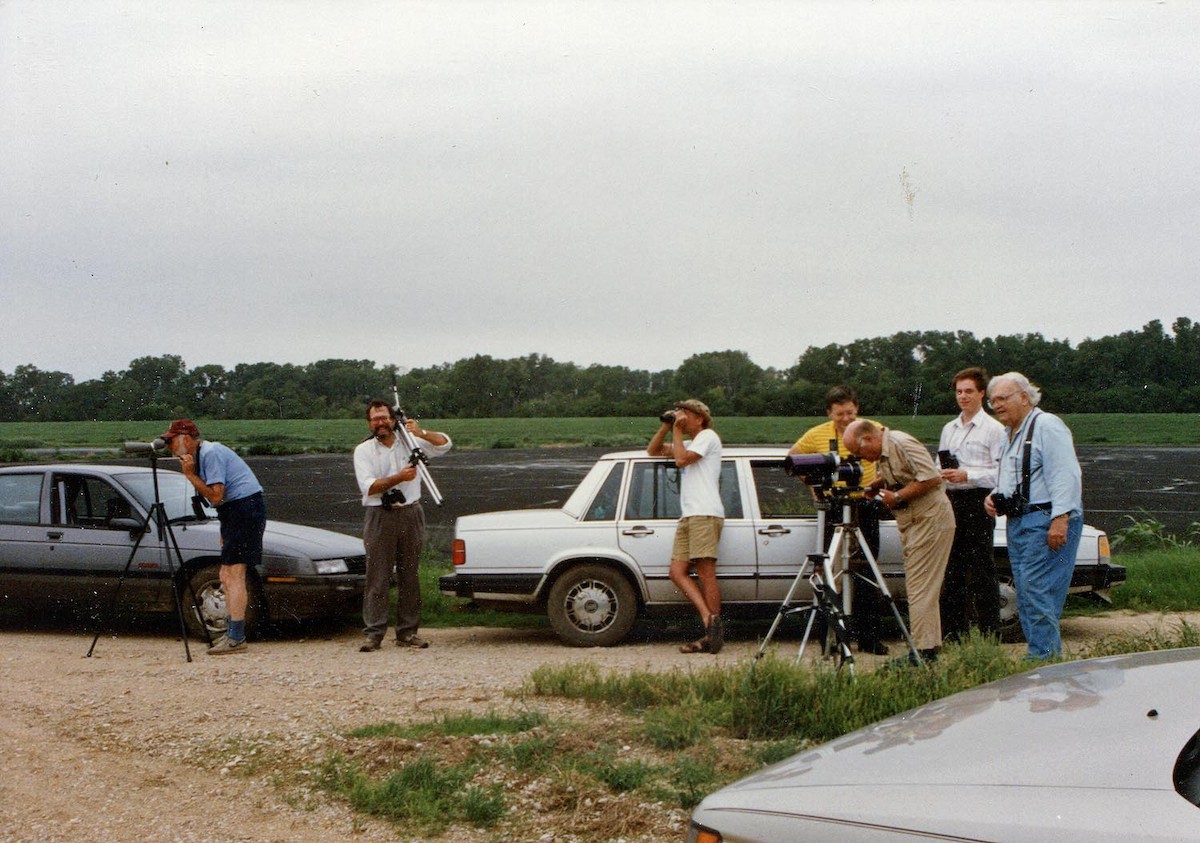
(909, 484)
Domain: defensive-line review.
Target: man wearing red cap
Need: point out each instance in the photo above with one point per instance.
(225, 481)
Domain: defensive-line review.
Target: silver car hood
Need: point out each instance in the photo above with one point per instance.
(1063, 748)
(280, 538)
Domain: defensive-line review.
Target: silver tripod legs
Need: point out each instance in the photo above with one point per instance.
(887, 595)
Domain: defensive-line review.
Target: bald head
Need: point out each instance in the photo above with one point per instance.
(864, 439)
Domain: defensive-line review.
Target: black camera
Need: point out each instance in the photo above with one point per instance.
(823, 470)
(946, 459)
(1006, 505)
(392, 498)
(668, 417)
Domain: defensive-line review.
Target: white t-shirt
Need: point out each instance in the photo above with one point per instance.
(700, 482)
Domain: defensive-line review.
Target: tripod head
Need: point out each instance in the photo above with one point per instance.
(417, 456)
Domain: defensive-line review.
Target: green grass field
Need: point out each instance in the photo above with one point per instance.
(287, 436)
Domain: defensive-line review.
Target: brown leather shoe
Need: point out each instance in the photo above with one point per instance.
(369, 645)
(413, 641)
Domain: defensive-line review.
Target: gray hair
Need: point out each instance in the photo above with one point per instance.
(1022, 383)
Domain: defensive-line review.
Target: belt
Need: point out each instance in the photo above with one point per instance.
(1035, 507)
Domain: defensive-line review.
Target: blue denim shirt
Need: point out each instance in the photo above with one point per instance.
(1055, 476)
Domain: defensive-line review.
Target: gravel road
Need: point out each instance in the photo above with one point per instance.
(136, 744)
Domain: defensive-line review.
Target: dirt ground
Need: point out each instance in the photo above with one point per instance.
(136, 744)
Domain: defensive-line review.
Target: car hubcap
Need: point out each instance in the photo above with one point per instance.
(212, 608)
(591, 606)
(1008, 603)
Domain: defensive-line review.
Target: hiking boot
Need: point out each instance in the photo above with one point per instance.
(412, 640)
(225, 645)
(369, 645)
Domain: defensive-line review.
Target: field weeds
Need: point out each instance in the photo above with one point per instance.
(627, 755)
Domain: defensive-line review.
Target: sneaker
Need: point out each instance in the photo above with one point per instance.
(716, 634)
(412, 641)
(369, 645)
(226, 645)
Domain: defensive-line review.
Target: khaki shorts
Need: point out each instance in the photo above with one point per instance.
(697, 537)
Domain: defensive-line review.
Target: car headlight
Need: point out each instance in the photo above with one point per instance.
(331, 566)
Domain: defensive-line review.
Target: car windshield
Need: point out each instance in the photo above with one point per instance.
(175, 492)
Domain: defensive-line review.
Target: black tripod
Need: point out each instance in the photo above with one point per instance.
(823, 571)
(157, 514)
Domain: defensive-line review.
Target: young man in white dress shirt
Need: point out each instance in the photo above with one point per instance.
(969, 450)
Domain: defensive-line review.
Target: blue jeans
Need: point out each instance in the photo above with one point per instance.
(1042, 578)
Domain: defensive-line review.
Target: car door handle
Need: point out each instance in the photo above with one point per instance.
(638, 532)
(774, 530)
(54, 535)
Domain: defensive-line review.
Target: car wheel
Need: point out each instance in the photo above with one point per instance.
(592, 606)
(206, 583)
(1010, 624)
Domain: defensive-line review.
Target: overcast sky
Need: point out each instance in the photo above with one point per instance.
(621, 183)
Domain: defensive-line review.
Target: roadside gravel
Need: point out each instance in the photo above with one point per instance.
(136, 744)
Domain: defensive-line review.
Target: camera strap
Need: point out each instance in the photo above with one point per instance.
(1026, 459)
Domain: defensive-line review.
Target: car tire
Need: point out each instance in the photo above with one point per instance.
(205, 583)
(592, 606)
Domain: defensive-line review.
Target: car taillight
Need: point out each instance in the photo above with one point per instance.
(458, 552)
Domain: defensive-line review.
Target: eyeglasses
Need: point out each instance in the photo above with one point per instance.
(1001, 399)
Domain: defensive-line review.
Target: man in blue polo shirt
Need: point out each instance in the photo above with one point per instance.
(225, 481)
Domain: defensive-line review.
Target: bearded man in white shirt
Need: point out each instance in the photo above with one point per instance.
(394, 527)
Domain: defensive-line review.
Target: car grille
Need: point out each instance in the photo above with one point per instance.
(356, 564)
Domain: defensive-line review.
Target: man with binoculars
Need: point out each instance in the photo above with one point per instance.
(696, 450)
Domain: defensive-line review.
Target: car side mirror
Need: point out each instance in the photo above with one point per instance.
(135, 526)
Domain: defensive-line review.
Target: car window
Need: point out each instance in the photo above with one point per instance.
(780, 496)
(178, 497)
(604, 506)
(80, 501)
(654, 491)
(731, 490)
(20, 495)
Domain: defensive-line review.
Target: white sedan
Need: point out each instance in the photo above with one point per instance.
(600, 561)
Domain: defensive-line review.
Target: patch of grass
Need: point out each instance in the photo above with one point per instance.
(675, 726)
(1160, 581)
(1147, 533)
(454, 725)
(424, 792)
(772, 752)
(1183, 635)
(621, 776)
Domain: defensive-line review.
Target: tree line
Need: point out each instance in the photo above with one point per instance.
(1148, 371)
